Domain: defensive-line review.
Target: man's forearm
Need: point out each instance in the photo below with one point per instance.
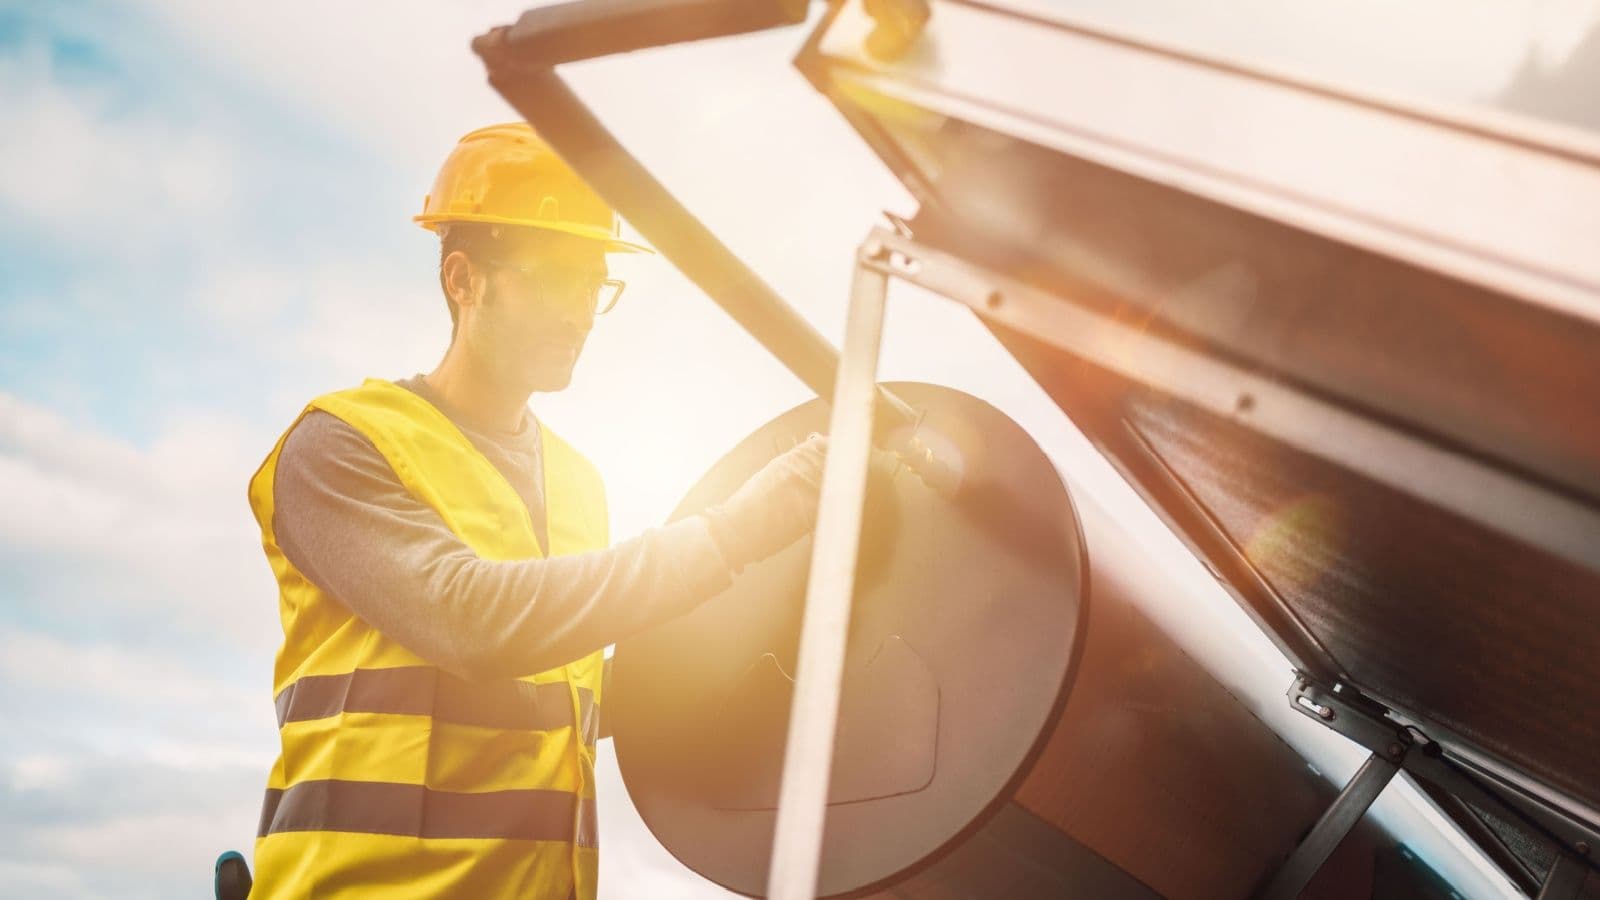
(507, 619)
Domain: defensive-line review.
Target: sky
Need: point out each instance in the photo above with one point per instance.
(204, 222)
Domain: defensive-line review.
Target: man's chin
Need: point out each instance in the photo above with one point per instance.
(551, 380)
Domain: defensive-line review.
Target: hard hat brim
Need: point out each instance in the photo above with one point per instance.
(613, 243)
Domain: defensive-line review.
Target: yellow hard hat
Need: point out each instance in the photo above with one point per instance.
(506, 175)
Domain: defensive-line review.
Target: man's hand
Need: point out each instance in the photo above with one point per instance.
(774, 508)
(778, 505)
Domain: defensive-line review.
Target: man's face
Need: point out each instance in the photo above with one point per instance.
(538, 307)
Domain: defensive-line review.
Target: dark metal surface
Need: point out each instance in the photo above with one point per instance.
(1155, 766)
(966, 626)
(1490, 638)
(1524, 856)
(1018, 856)
(1479, 369)
(1352, 803)
(1565, 879)
(1400, 874)
(1445, 652)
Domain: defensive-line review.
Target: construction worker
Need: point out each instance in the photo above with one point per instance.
(446, 574)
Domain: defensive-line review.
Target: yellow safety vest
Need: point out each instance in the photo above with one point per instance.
(395, 778)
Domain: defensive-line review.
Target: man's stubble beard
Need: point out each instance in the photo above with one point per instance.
(515, 359)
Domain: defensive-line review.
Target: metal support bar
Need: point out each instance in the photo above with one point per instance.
(1347, 809)
(808, 754)
(547, 102)
(589, 29)
(520, 60)
(1298, 418)
(1565, 880)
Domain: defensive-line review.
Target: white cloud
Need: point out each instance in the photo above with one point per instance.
(367, 320)
(175, 846)
(125, 827)
(386, 73)
(244, 295)
(42, 880)
(39, 772)
(79, 167)
(125, 677)
(116, 532)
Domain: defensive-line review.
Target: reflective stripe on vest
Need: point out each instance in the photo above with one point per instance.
(395, 775)
(377, 807)
(426, 691)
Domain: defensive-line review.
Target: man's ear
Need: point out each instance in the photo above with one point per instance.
(463, 282)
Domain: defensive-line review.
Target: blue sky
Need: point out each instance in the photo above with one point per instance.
(204, 221)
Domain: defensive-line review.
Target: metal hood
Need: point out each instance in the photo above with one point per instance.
(1344, 342)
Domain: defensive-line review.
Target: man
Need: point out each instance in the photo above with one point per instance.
(445, 579)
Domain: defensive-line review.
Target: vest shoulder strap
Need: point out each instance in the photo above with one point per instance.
(439, 466)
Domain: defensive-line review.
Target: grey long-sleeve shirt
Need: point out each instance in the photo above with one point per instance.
(345, 521)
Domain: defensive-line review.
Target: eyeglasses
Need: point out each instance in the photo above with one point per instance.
(562, 281)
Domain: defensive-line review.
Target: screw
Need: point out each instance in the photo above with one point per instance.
(994, 300)
(1395, 750)
(1582, 847)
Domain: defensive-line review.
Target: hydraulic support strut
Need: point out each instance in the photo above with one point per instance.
(1395, 747)
(1352, 803)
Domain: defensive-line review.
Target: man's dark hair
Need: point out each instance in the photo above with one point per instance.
(476, 240)
(481, 242)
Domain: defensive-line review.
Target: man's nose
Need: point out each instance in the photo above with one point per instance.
(574, 316)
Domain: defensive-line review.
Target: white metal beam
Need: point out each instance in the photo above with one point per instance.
(808, 755)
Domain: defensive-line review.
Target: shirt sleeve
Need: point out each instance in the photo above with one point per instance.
(346, 522)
